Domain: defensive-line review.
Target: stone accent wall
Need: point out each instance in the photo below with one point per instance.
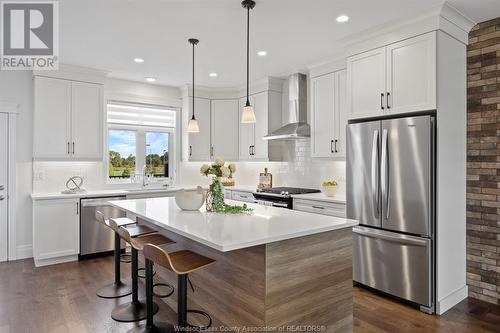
(483, 162)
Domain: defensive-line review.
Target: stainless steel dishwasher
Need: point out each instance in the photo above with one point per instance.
(95, 238)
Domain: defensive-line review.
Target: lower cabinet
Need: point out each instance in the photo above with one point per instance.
(242, 196)
(320, 207)
(56, 231)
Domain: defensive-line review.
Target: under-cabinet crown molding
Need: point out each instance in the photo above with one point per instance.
(328, 66)
(75, 73)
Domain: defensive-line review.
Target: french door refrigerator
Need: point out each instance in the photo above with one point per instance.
(390, 190)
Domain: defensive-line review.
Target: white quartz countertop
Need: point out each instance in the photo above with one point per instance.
(321, 197)
(226, 232)
(104, 193)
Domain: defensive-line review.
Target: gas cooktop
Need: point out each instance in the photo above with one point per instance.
(285, 191)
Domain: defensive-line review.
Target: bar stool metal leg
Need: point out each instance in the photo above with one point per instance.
(118, 288)
(150, 325)
(136, 310)
(182, 300)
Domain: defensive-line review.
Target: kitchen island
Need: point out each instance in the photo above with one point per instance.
(276, 268)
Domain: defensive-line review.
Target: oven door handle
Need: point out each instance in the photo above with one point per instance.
(276, 204)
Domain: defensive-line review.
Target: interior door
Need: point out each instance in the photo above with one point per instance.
(52, 121)
(366, 84)
(225, 120)
(323, 115)
(4, 126)
(246, 133)
(362, 173)
(86, 120)
(406, 174)
(199, 143)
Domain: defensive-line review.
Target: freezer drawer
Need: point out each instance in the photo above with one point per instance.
(397, 264)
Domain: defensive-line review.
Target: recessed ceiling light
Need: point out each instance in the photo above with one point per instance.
(213, 74)
(342, 18)
(139, 60)
(151, 79)
(262, 53)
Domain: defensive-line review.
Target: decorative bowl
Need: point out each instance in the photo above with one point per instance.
(190, 199)
(329, 191)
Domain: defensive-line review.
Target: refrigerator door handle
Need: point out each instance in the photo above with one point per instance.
(384, 174)
(400, 239)
(375, 172)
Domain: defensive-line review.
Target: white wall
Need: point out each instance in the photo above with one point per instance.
(17, 87)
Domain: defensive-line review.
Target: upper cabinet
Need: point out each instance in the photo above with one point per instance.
(199, 143)
(328, 115)
(67, 119)
(397, 78)
(225, 119)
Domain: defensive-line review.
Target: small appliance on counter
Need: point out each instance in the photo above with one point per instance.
(279, 196)
(265, 180)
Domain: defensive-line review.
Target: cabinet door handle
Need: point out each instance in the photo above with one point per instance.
(253, 150)
(318, 207)
(73, 148)
(331, 146)
(336, 145)
(77, 208)
(212, 151)
(382, 101)
(388, 105)
(68, 148)
(190, 150)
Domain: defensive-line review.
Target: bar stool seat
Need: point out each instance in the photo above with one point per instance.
(182, 263)
(120, 221)
(138, 230)
(136, 310)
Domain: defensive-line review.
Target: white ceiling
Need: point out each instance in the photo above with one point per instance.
(108, 34)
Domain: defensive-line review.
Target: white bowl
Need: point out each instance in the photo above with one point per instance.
(190, 199)
(329, 191)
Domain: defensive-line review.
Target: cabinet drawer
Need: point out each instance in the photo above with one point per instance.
(320, 207)
(242, 196)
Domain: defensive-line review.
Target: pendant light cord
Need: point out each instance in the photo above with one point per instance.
(193, 82)
(248, 54)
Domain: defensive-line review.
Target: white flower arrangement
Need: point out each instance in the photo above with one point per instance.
(218, 169)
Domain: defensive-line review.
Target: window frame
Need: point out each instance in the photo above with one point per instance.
(141, 150)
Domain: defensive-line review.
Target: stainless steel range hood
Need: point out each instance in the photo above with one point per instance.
(297, 126)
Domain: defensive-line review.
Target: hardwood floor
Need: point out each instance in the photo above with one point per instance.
(61, 298)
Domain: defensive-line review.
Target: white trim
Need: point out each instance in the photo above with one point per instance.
(54, 261)
(24, 252)
(451, 300)
(75, 73)
(9, 107)
(12, 186)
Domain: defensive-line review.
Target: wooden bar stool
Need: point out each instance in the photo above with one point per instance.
(117, 288)
(136, 310)
(182, 263)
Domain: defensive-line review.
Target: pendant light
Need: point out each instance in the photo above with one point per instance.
(248, 114)
(193, 123)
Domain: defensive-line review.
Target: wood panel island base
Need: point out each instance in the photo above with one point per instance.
(298, 277)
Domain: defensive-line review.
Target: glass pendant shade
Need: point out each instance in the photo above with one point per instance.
(193, 126)
(248, 115)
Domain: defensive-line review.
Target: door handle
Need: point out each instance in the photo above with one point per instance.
(253, 150)
(77, 208)
(250, 150)
(387, 103)
(382, 101)
(190, 150)
(401, 239)
(73, 148)
(336, 145)
(2, 197)
(68, 148)
(212, 151)
(318, 207)
(375, 173)
(384, 176)
(331, 146)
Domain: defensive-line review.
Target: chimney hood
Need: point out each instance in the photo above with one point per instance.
(297, 126)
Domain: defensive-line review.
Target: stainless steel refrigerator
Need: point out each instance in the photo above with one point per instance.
(390, 190)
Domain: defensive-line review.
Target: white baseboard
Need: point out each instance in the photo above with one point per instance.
(24, 251)
(55, 261)
(451, 300)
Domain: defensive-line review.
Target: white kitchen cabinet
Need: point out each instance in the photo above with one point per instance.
(68, 119)
(366, 84)
(411, 75)
(267, 107)
(328, 115)
(87, 120)
(52, 118)
(56, 231)
(224, 129)
(242, 196)
(393, 79)
(199, 143)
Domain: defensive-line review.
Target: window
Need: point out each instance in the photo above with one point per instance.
(140, 140)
